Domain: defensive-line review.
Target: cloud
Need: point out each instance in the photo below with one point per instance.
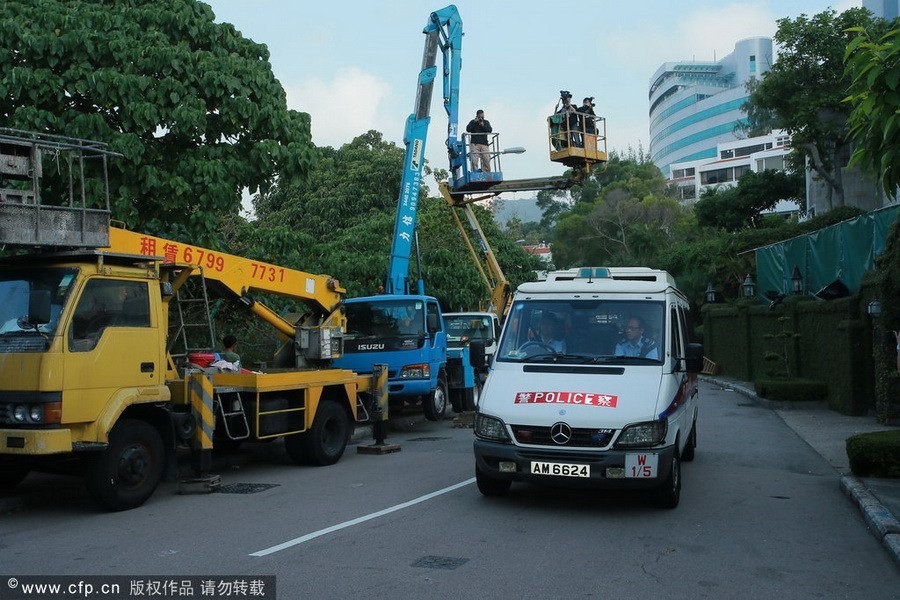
(344, 107)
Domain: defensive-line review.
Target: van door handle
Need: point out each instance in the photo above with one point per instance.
(147, 367)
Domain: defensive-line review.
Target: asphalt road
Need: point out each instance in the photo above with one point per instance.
(761, 516)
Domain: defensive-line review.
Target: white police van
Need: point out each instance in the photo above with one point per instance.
(594, 383)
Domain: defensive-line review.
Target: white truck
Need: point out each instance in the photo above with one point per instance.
(593, 384)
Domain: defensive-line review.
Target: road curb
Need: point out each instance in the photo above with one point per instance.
(765, 402)
(883, 525)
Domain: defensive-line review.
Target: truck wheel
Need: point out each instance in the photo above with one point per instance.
(434, 405)
(125, 474)
(326, 440)
(687, 455)
(458, 400)
(472, 396)
(12, 472)
(490, 486)
(668, 494)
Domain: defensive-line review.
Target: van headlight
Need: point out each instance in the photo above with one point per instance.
(649, 433)
(490, 428)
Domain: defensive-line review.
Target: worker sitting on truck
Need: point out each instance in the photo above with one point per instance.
(228, 360)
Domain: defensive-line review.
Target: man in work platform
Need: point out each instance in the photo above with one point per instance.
(478, 144)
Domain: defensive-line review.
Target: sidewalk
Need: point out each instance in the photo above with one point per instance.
(826, 432)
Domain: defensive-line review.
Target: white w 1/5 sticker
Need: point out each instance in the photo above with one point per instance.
(641, 466)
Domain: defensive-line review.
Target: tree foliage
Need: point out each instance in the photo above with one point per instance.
(341, 221)
(803, 92)
(734, 208)
(873, 66)
(191, 105)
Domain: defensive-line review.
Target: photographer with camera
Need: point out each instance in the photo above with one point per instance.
(587, 108)
(478, 145)
(573, 121)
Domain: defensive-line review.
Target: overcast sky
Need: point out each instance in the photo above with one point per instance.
(353, 65)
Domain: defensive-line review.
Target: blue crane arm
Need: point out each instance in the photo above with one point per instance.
(444, 32)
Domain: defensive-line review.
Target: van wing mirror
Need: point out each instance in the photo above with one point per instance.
(693, 362)
(39, 307)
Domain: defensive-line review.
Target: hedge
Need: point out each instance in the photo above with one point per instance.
(875, 454)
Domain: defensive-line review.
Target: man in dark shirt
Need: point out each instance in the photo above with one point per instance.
(478, 144)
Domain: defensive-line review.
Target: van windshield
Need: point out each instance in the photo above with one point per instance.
(584, 332)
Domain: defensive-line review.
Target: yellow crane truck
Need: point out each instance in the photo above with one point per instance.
(89, 319)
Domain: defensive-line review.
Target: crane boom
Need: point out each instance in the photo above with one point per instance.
(443, 32)
(241, 276)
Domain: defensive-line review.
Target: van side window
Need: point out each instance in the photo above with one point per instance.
(676, 329)
(107, 303)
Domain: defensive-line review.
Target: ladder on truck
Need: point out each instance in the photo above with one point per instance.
(193, 326)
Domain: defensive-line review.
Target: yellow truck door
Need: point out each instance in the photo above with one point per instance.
(113, 348)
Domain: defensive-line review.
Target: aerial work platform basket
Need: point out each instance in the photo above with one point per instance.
(54, 191)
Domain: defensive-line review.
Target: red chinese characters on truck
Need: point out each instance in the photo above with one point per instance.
(585, 398)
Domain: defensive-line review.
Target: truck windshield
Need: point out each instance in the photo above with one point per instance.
(400, 324)
(15, 289)
(584, 332)
(467, 328)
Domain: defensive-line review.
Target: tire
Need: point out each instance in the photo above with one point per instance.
(12, 473)
(124, 475)
(687, 455)
(490, 486)
(458, 400)
(326, 440)
(668, 494)
(434, 405)
(472, 396)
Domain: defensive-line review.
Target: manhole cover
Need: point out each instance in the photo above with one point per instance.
(440, 562)
(428, 439)
(246, 488)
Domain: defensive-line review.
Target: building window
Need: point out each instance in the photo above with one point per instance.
(716, 176)
(738, 171)
(727, 154)
(688, 192)
(689, 172)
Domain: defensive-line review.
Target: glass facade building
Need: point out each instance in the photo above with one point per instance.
(695, 105)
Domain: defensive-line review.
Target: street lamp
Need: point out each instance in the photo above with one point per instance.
(710, 294)
(749, 287)
(796, 280)
(874, 309)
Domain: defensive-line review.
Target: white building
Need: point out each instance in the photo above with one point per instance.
(731, 160)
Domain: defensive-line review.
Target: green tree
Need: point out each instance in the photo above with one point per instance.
(873, 67)
(738, 207)
(804, 91)
(341, 222)
(191, 105)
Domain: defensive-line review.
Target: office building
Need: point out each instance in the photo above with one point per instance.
(695, 105)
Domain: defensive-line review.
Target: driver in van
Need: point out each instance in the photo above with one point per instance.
(550, 333)
(635, 344)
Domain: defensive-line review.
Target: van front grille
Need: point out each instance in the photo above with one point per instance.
(533, 435)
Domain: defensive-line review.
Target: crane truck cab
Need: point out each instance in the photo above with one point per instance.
(593, 384)
(407, 332)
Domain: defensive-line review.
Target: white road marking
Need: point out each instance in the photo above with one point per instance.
(357, 521)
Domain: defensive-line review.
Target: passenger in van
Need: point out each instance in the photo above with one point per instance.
(635, 344)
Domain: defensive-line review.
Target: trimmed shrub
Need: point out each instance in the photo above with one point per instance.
(799, 390)
(875, 454)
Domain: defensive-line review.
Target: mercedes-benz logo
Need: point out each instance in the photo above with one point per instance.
(561, 433)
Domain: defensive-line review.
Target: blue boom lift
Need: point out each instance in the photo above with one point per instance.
(404, 328)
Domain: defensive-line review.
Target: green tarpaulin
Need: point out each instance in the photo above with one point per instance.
(840, 253)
